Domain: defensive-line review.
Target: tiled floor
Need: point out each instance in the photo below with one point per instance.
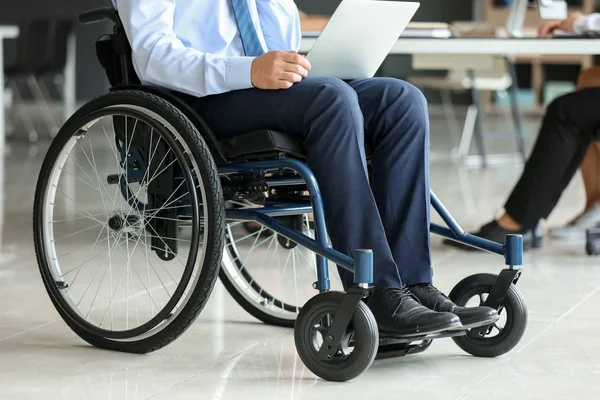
(229, 355)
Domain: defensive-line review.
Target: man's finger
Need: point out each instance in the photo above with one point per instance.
(284, 84)
(549, 27)
(295, 58)
(296, 69)
(290, 77)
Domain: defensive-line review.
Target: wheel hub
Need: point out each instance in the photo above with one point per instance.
(131, 224)
(116, 223)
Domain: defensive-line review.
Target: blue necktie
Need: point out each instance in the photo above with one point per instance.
(250, 41)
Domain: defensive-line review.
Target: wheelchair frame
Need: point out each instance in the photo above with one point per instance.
(362, 264)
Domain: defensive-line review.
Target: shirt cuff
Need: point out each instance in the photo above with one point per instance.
(581, 25)
(238, 73)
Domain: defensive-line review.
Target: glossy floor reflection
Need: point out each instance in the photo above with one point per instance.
(229, 355)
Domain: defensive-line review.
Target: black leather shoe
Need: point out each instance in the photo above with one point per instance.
(494, 232)
(399, 313)
(470, 317)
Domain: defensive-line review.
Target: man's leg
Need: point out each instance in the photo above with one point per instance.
(327, 114)
(397, 132)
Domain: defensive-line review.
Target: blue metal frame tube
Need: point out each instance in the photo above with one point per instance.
(306, 174)
(281, 211)
(292, 234)
(512, 252)
(445, 215)
(468, 239)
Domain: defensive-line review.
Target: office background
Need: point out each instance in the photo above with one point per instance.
(90, 79)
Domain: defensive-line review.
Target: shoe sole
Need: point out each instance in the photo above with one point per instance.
(478, 324)
(450, 327)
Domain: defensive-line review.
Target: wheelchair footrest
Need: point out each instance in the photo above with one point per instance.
(400, 346)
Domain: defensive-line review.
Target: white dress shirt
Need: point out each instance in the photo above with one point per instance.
(194, 46)
(587, 23)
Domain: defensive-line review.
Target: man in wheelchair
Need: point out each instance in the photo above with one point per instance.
(235, 60)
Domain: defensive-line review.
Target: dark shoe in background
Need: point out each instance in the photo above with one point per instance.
(494, 232)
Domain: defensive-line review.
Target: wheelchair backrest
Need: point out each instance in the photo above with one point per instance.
(115, 56)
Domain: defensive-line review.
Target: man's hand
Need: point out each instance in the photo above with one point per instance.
(566, 25)
(279, 70)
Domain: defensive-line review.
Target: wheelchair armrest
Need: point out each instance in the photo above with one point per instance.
(187, 110)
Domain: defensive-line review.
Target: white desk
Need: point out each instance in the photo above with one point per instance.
(489, 46)
(6, 32)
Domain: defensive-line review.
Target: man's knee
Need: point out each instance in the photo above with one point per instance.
(334, 102)
(589, 78)
(402, 100)
(403, 95)
(332, 91)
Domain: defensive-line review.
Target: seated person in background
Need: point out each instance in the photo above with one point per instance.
(237, 59)
(312, 23)
(566, 141)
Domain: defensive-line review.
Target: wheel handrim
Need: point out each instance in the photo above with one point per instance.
(160, 312)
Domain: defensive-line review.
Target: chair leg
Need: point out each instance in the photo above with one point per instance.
(467, 133)
(450, 113)
(478, 121)
(39, 97)
(23, 115)
(514, 105)
(57, 81)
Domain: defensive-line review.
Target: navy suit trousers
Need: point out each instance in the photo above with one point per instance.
(389, 215)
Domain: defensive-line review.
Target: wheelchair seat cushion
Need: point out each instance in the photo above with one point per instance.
(263, 143)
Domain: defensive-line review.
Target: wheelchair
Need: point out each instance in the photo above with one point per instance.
(162, 205)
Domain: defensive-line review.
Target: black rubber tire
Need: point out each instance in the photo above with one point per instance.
(366, 338)
(214, 233)
(514, 306)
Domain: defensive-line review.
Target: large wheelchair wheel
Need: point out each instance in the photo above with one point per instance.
(504, 334)
(268, 275)
(127, 252)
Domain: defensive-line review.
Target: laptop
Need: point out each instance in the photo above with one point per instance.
(358, 38)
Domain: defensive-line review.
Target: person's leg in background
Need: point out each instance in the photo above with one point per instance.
(590, 173)
(569, 126)
(397, 132)
(327, 114)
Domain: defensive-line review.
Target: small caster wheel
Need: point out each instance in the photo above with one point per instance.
(502, 336)
(357, 349)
